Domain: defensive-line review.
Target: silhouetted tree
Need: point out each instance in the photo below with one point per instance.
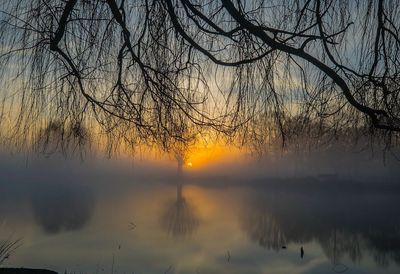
(58, 137)
(144, 68)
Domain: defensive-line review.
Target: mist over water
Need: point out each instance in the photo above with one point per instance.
(233, 214)
(176, 137)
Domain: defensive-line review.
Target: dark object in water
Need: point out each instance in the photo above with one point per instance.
(228, 257)
(284, 247)
(25, 271)
(301, 252)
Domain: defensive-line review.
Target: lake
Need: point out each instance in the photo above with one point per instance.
(107, 217)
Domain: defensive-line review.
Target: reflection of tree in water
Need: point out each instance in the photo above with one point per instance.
(338, 244)
(385, 246)
(64, 207)
(180, 217)
(263, 228)
(350, 225)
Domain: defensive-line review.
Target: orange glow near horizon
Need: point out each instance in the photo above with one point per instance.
(202, 156)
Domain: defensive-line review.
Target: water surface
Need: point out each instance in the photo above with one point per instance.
(87, 218)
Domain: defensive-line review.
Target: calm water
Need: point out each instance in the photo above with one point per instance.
(91, 219)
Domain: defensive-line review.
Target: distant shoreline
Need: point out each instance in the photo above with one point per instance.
(8, 270)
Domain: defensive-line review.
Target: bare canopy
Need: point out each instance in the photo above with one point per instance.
(158, 69)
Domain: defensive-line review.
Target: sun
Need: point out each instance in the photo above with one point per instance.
(190, 164)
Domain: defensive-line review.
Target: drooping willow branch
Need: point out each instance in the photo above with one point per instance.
(156, 70)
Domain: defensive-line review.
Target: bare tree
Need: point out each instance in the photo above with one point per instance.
(145, 69)
(58, 137)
